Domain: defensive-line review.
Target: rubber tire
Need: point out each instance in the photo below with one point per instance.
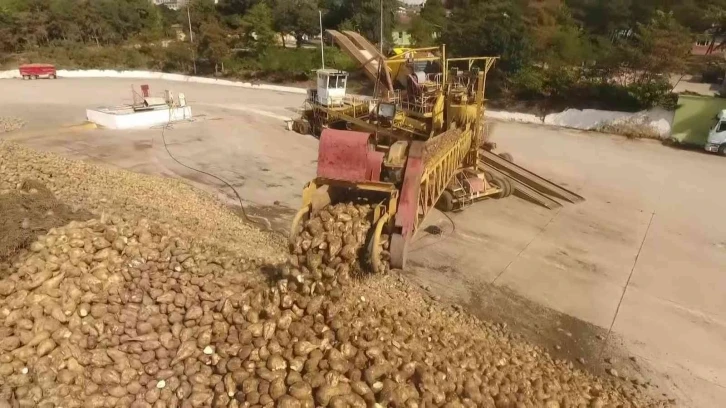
(510, 187)
(504, 184)
(446, 202)
(35, 77)
(722, 150)
(54, 76)
(506, 156)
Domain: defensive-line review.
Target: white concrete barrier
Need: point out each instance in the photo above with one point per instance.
(109, 73)
(513, 116)
(657, 121)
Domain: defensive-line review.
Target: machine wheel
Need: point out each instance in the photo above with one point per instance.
(507, 156)
(510, 187)
(446, 202)
(722, 150)
(301, 126)
(35, 77)
(399, 251)
(504, 184)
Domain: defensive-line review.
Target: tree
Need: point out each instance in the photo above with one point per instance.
(603, 17)
(490, 28)
(296, 17)
(556, 38)
(661, 47)
(434, 12)
(428, 25)
(363, 16)
(213, 44)
(236, 7)
(257, 28)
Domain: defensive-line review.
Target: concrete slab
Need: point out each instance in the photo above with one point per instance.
(588, 296)
(587, 238)
(684, 266)
(480, 241)
(684, 342)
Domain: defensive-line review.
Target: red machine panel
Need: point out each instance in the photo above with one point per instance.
(476, 184)
(344, 155)
(408, 203)
(375, 163)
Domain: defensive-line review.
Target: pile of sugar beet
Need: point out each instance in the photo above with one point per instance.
(152, 307)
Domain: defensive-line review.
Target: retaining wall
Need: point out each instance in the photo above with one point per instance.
(658, 121)
(108, 73)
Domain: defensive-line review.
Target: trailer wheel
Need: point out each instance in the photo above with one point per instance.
(510, 187)
(507, 156)
(504, 184)
(446, 202)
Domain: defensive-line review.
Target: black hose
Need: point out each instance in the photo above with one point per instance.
(239, 199)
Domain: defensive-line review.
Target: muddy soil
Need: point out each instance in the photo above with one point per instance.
(588, 347)
(28, 212)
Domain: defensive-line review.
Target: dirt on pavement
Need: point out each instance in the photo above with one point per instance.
(565, 338)
(28, 212)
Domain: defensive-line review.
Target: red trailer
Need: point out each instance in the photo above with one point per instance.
(35, 71)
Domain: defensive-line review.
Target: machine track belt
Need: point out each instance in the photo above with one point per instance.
(528, 178)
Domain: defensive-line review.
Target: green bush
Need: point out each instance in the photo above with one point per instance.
(553, 89)
(529, 83)
(656, 92)
(713, 73)
(285, 64)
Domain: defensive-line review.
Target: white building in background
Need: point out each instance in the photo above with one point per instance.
(173, 4)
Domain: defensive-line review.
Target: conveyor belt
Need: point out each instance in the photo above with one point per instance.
(364, 52)
(527, 178)
(523, 189)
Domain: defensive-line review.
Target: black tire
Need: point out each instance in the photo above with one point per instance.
(507, 156)
(505, 185)
(446, 202)
(510, 187)
(722, 150)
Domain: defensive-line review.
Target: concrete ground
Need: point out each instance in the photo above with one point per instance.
(641, 260)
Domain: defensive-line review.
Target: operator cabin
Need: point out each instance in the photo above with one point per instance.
(331, 87)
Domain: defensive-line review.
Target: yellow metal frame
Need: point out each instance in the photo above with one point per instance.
(489, 61)
(438, 172)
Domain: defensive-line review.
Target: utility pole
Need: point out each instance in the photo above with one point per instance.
(189, 19)
(191, 38)
(381, 45)
(322, 44)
